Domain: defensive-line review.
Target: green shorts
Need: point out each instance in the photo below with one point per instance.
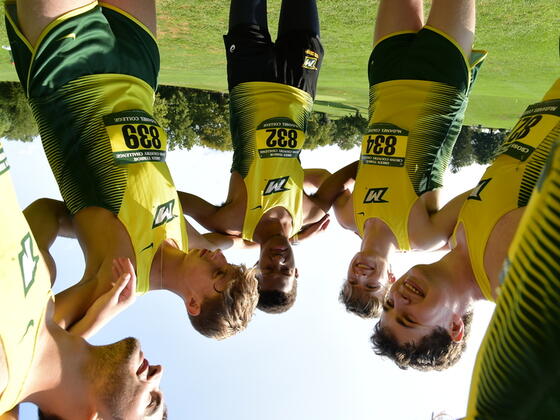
(96, 40)
(424, 55)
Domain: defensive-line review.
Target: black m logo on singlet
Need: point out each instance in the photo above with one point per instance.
(164, 214)
(276, 185)
(375, 195)
(28, 260)
(475, 194)
(3, 162)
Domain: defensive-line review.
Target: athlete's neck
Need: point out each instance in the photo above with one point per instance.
(457, 268)
(378, 238)
(57, 379)
(276, 221)
(168, 271)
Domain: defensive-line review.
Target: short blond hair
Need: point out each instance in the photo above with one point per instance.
(369, 307)
(231, 311)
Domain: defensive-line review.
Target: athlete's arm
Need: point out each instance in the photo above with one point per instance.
(444, 221)
(211, 241)
(311, 229)
(344, 211)
(314, 177)
(48, 219)
(435, 232)
(111, 303)
(198, 208)
(334, 186)
(221, 241)
(214, 218)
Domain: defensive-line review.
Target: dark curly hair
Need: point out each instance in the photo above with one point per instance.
(42, 416)
(275, 301)
(436, 351)
(364, 308)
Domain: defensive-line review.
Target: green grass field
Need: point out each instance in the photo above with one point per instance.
(520, 35)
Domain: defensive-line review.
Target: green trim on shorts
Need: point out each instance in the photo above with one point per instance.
(409, 55)
(88, 40)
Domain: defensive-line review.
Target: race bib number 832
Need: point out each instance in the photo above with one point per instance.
(135, 137)
(279, 138)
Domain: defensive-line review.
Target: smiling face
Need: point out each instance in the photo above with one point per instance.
(418, 303)
(368, 275)
(127, 385)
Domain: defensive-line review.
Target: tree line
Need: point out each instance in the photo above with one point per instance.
(194, 117)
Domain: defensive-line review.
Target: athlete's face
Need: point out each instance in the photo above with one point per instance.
(368, 276)
(277, 265)
(415, 305)
(127, 385)
(209, 272)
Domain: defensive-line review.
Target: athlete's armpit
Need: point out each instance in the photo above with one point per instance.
(344, 211)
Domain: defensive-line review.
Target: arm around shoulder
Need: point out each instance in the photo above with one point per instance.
(333, 186)
(48, 219)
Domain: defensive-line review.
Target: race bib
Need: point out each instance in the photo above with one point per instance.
(135, 137)
(532, 128)
(385, 145)
(279, 138)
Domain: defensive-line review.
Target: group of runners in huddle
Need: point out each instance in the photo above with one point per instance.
(89, 70)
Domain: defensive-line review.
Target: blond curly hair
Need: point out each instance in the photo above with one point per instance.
(231, 311)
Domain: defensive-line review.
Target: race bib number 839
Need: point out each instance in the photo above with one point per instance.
(135, 137)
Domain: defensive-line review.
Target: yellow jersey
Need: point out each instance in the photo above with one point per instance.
(509, 182)
(268, 125)
(516, 370)
(103, 144)
(413, 126)
(25, 291)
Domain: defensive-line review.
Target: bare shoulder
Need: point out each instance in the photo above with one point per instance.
(344, 211)
(102, 237)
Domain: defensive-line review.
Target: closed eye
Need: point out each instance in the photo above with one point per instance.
(388, 305)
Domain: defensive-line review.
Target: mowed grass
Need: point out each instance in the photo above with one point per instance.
(520, 35)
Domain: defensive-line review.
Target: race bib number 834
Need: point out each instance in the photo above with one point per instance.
(384, 145)
(135, 137)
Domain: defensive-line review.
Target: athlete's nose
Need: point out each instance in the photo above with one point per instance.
(278, 258)
(400, 298)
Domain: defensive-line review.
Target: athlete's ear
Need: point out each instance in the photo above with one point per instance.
(457, 328)
(193, 307)
(391, 277)
(296, 273)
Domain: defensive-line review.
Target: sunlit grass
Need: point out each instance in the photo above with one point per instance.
(521, 36)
